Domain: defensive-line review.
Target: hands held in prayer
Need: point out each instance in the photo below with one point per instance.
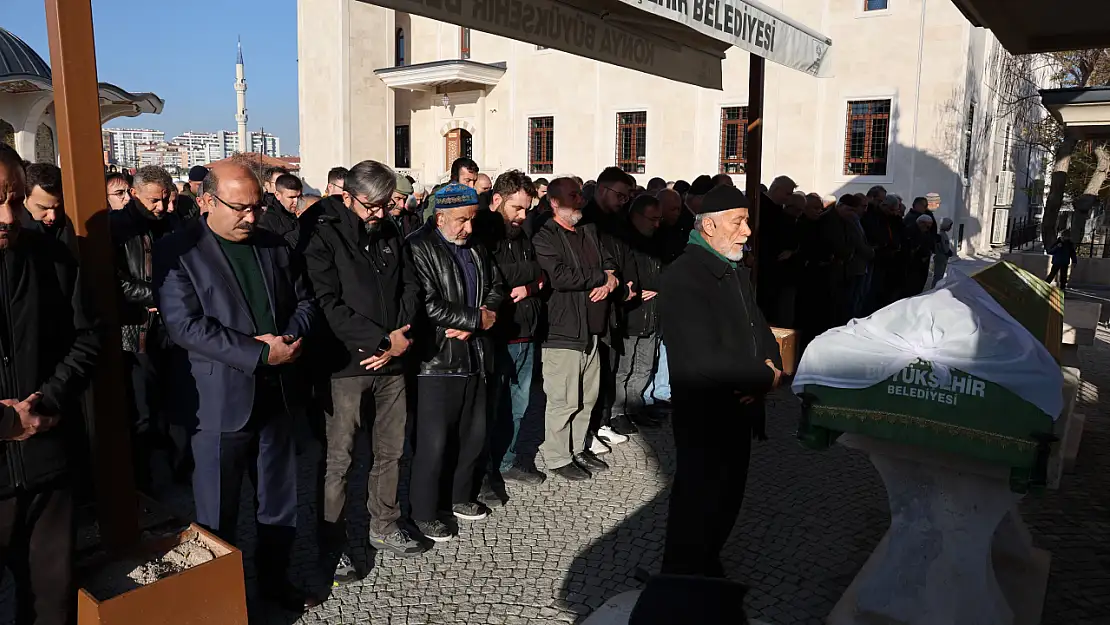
(488, 318)
(398, 345)
(518, 293)
(29, 422)
(461, 335)
(649, 295)
(283, 349)
(631, 292)
(603, 291)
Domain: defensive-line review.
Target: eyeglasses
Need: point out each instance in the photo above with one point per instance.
(373, 208)
(239, 209)
(623, 197)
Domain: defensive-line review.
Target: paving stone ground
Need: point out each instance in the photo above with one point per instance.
(810, 520)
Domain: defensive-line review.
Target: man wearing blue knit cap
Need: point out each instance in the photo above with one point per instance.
(462, 290)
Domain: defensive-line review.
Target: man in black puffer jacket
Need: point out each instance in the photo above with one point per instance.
(363, 280)
(49, 342)
(501, 230)
(462, 294)
(641, 339)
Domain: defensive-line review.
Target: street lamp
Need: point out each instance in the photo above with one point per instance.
(446, 101)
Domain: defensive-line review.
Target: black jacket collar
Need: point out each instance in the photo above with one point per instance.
(714, 265)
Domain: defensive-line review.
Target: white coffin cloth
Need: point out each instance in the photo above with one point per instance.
(958, 325)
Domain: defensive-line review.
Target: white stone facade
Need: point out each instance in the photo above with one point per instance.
(921, 56)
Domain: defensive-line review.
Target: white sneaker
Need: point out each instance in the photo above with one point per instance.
(599, 447)
(610, 436)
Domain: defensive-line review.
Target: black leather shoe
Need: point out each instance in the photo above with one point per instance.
(572, 472)
(588, 460)
(623, 425)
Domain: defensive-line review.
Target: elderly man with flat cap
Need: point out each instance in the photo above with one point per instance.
(723, 360)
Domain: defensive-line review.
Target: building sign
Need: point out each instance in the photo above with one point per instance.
(749, 26)
(552, 24)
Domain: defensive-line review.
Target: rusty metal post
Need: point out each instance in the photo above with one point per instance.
(77, 113)
(754, 151)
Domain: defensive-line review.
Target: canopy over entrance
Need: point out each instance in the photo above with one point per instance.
(1028, 26)
(1083, 111)
(683, 40)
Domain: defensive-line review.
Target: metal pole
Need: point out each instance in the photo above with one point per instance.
(77, 113)
(754, 152)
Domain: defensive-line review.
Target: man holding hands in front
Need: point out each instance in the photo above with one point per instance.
(723, 359)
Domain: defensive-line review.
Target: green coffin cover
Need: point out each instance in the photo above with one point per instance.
(970, 417)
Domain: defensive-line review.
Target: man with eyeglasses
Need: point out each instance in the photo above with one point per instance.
(235, 298)
(362, 276)
(608, 210)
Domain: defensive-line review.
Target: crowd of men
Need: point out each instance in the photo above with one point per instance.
(441, 316)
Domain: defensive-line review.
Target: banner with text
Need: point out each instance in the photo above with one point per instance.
(556, 25)
(749, 26)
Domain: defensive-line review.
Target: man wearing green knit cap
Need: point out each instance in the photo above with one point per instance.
(723, 360)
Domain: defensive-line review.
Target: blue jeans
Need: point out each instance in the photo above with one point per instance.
(514, 389)
(660, 387)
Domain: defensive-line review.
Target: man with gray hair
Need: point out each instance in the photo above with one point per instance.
(363, 279)
(135, 229)
(723, 361)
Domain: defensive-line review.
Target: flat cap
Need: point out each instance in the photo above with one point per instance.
(403, 185)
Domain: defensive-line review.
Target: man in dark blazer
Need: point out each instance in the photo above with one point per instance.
(235, 299)
(723, 359)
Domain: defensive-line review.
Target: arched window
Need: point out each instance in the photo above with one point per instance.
(400, 51)
(7, 133)
(44, 144)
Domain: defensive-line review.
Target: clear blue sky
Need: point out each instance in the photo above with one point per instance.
(185, 53)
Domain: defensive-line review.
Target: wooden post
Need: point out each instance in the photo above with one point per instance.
(753, 168)
(77, 112)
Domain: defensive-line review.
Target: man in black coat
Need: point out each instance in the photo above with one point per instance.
(462, 294)
(723, 360)
(135, 229)
(521, 316)
(363, 281)
(49, 340)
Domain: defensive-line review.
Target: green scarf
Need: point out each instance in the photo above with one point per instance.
(697, 239)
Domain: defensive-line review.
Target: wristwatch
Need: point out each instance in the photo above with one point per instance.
(385, 345)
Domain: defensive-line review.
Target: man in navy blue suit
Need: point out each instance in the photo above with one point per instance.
(235, 299)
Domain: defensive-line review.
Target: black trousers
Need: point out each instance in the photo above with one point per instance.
(265, 452)
(1062, 271)
(450, 439)
(708, 489)
(609, 356)
(36, 545)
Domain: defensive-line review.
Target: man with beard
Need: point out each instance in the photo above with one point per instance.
(500, 230)
(724, 360)
(363, 280)
(44, 199)
(405, 220)
(50, 341)
(118, 191)
(641, 338)
(607, 209)
(582, 275)
(135, 230)
(235, 298)
(462, 294)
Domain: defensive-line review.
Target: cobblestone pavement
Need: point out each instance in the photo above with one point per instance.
(810, 520)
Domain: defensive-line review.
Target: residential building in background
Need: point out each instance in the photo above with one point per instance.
(920, 101)
(209, 147)
(172, 157)
(125, 143)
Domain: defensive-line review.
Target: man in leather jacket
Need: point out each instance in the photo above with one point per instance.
(462, 292)
(135, 229)
(49, 340)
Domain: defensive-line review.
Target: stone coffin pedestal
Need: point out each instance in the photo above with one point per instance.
(957, 551)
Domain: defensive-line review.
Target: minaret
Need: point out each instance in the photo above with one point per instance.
(241, 100)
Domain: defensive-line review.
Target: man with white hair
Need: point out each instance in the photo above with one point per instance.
(723, 361)
(920, 233)
(462, 292)
(583, 275)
